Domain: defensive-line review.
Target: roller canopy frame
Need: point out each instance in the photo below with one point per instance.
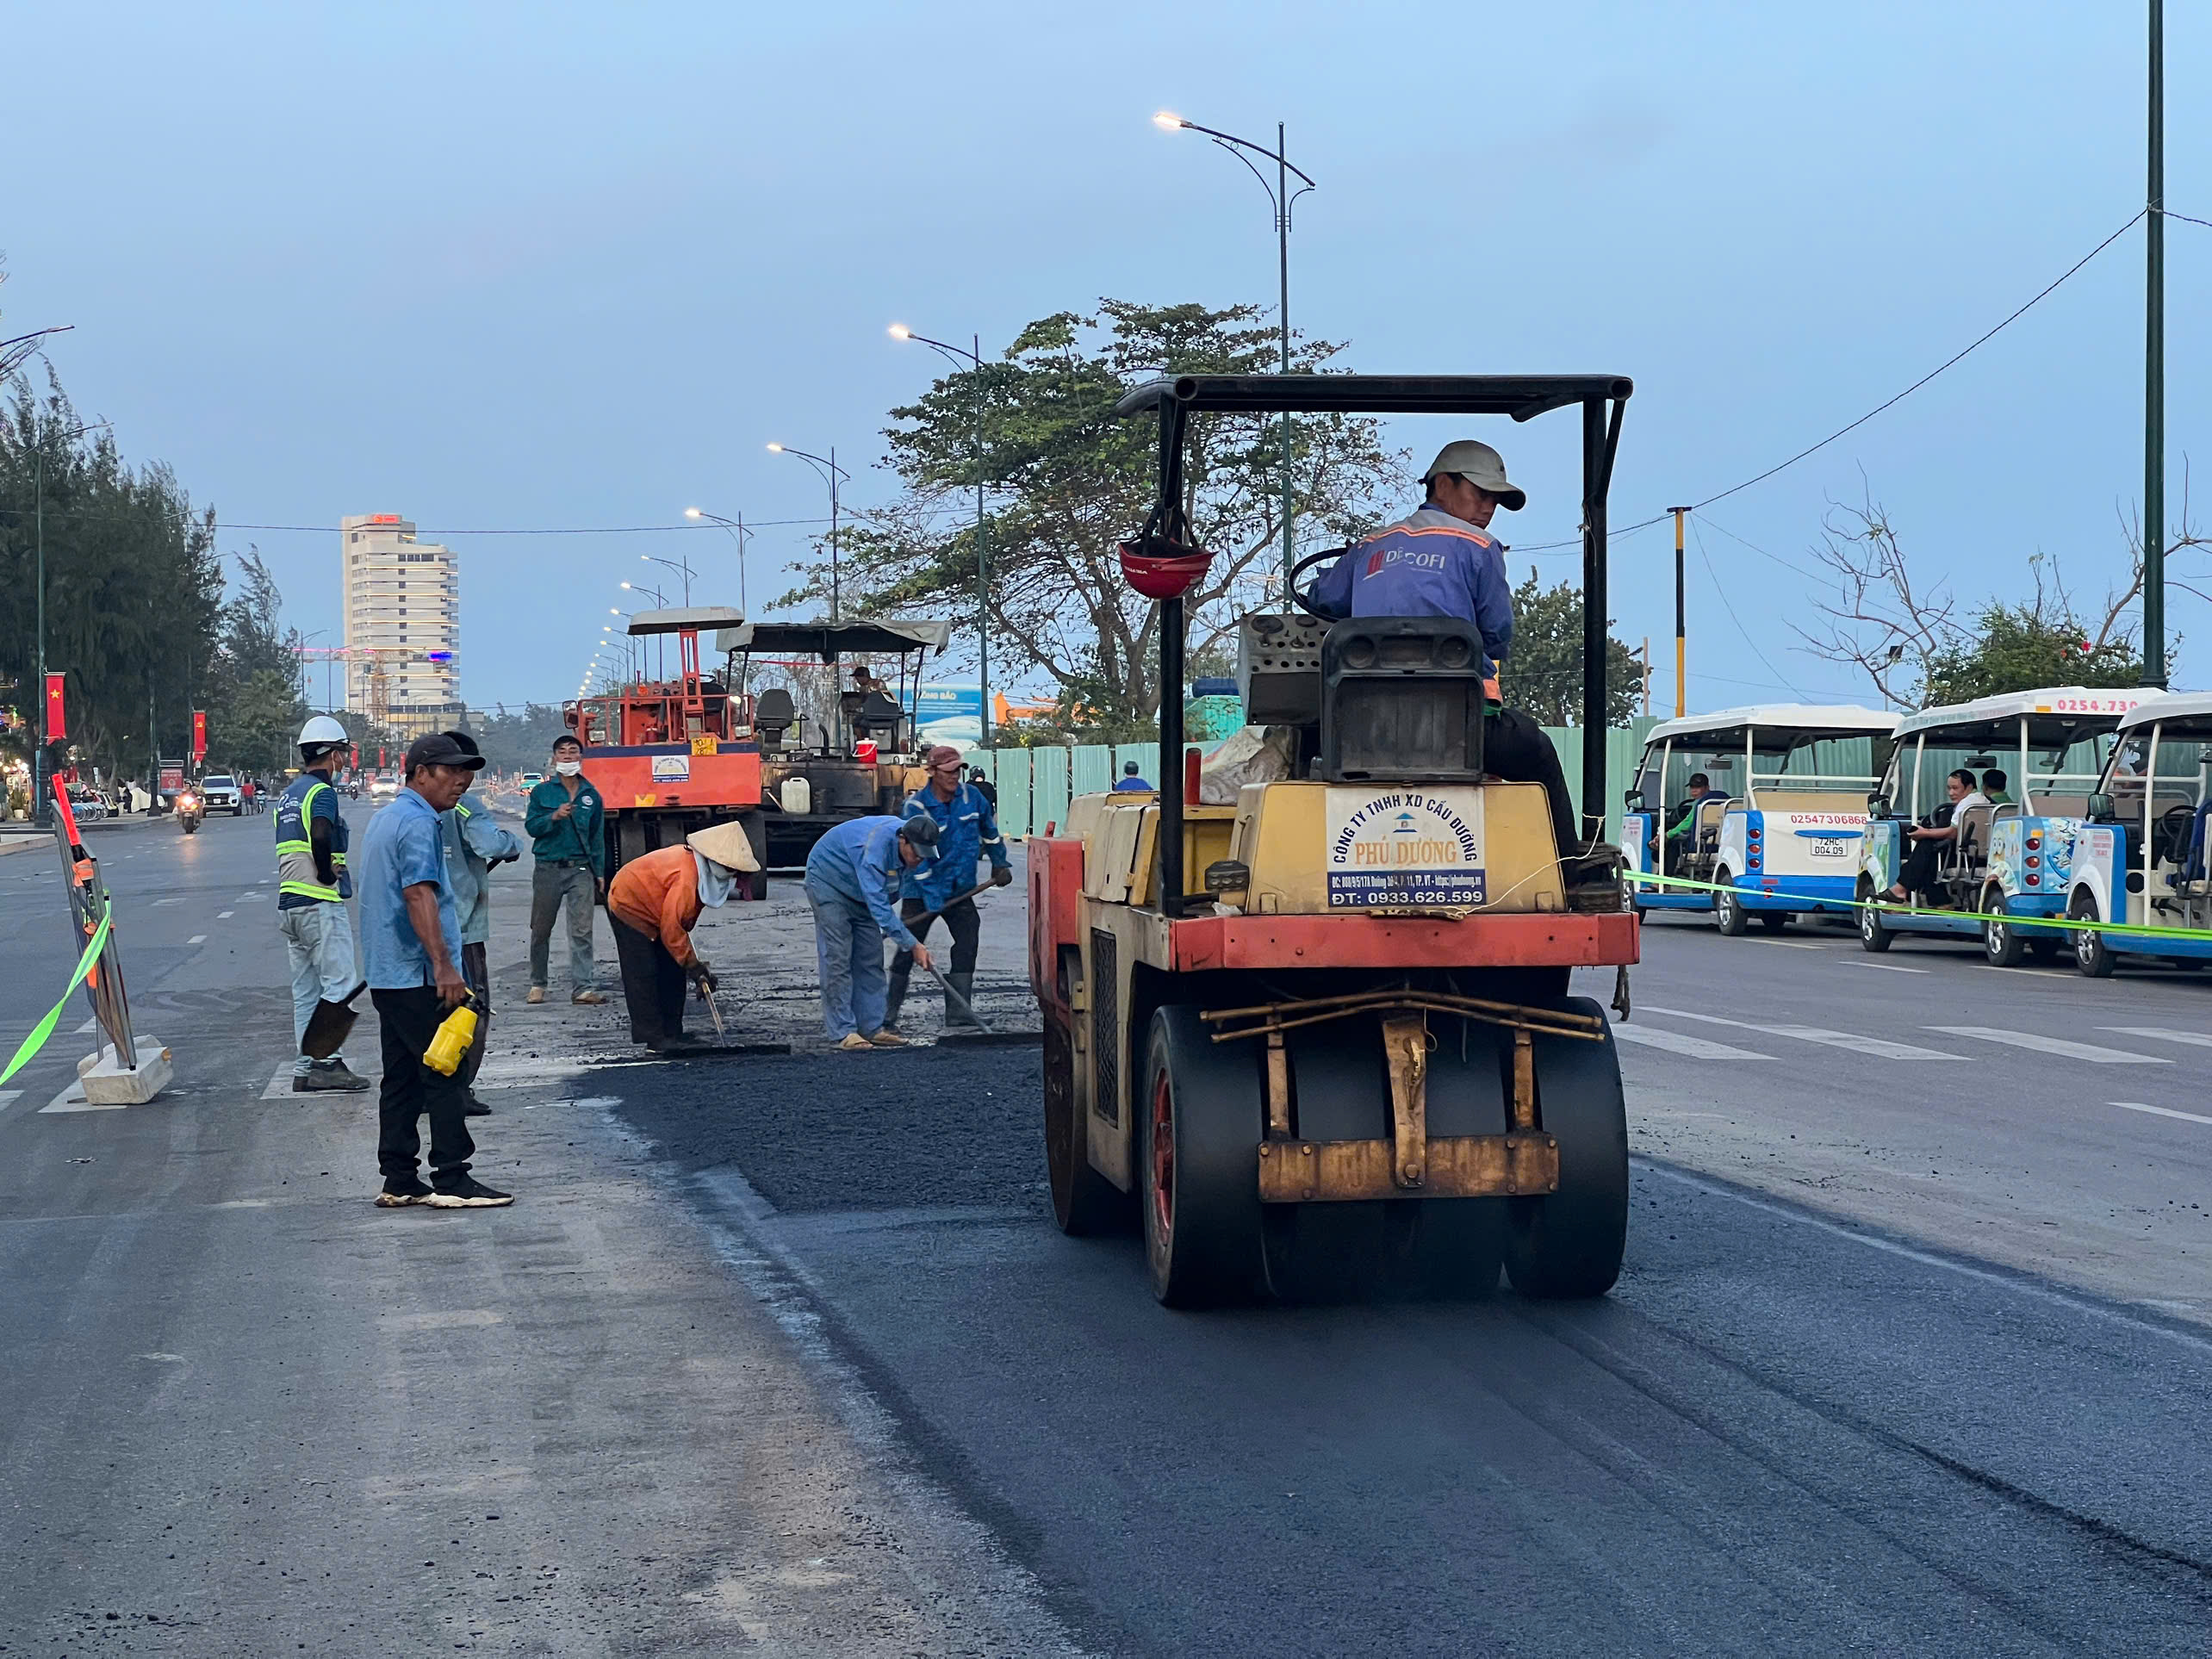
(1174, 399)
(832, 640)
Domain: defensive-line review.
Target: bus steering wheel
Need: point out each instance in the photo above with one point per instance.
(2176, 825)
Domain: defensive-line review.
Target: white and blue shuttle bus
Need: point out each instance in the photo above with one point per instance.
(2010, 862)
(2141, 859)
(1775, 834)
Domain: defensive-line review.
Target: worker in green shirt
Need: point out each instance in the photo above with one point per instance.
(567, 821)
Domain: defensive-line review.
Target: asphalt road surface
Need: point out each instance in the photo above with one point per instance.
(1911, 1352)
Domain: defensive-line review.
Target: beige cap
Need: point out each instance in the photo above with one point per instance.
(727, 844)
(1481, 466)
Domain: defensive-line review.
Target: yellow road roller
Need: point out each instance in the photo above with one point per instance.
(1318, 1036)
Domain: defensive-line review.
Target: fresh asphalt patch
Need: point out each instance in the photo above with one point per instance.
(913, 1128)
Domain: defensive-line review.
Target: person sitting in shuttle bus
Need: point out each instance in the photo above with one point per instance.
(1685, 823)
(1928, 840)
(1993, 785)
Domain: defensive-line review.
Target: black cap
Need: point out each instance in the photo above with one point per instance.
(568, 739)
(438, 748)
(467, 744)
(921, 829)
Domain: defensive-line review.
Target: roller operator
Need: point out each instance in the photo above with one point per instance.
(1442, 561)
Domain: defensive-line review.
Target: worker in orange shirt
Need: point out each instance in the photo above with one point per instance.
(653, 903)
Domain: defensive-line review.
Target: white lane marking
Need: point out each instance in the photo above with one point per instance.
(168, 901)
(2159, 1033)
(89, 1025)
(224, 915)
(1880, 1048)
(198, 939)
(8, 1095)
(73, 1099)
(2043, 1045)
(1890, 967)
(1676, 1043)
(2159, 1111)
(2077, 1302)
(1788, 944)
(449, 1319)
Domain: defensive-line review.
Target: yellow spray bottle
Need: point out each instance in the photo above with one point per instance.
(455, 1033)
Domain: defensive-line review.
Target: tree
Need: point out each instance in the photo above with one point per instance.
(1068, 481)
(255, 707)
(1909, 641)
(521, 740)
(1542, 674)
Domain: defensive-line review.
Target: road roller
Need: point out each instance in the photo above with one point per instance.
(1313, 1033)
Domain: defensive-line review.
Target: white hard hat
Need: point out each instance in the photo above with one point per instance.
(321, 731)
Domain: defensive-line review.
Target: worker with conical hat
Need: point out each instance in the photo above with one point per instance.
(653, 903)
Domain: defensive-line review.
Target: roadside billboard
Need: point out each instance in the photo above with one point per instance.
(948, 714)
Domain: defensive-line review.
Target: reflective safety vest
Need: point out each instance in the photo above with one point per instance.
(297, 881)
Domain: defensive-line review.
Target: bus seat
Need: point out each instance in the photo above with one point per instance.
(2059, 806)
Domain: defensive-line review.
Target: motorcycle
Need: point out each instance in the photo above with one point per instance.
(190, 812)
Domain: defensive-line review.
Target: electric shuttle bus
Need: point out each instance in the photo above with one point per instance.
(2142, 858)
(2010, 863)
(1775, 831)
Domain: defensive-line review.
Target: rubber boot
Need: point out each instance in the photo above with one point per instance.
(957, 1018)
(894, 995)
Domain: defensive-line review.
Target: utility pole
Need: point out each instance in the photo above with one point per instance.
(1647, 677)
(1681, 648)
(1283, 247)
(2154, 663)
(38, 513)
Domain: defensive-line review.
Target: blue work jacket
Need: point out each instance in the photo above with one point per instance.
(473, 844)
(1430, 564)
(856, 864)
(967, 829)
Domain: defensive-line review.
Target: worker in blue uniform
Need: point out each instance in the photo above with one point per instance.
(851, 882)
(968, 832)
(1443, 562)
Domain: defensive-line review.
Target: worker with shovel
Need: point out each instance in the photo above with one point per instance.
(968, 830)
(654, 902)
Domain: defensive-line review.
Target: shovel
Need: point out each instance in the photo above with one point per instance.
(954, 997)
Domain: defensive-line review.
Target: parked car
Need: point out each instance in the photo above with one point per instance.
(218, 792)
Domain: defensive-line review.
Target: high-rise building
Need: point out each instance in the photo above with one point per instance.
(402, 625)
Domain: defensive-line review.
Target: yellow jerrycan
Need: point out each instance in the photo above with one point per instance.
(455, 1033)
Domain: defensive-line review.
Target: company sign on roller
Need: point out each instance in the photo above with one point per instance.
(1403, 847)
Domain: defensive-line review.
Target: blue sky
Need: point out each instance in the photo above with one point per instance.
(566, 265)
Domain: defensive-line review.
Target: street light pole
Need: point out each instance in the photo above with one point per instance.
(955, 354)
(2154, 662)
(831, 472)
(735, 529)
(1284, 198)
(683, 569)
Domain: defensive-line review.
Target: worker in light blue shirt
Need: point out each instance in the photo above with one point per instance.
(851, 882)
(474, 846)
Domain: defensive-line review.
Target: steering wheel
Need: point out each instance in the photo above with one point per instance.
(2175, 827)
(1303, 565)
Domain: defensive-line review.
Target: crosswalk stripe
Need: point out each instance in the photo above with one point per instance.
(2159, 1033)
(7, 1095)
(1880, 1048)
(2043, 1045)
(224, 915)
(198, 939)
(2159, 1111)
(1676, 1043)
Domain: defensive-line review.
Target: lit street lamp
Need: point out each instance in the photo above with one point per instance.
(831, 472)
(1284, 198)
(957, 355)
(735, 529)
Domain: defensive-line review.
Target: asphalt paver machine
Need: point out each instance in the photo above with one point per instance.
(672, 755)
(862, 755)
(1321, 1037)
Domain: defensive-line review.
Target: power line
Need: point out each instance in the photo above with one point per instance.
(1731, 609)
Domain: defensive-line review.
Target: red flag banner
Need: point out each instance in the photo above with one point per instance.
(199, 736)
(57, 722)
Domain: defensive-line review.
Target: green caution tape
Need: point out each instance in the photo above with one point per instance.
(2066, 923)
(44, 1029)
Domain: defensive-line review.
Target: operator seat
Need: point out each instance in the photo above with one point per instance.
(773, 716)
(878, 716)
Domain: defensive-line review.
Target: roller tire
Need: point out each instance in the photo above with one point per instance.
(2002, 945)
(1569, 1244)
(1727, 912)
(1199, 1124)
(2092, 957)
(1084, 1203)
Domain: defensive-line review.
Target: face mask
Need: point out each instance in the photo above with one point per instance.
(568, 768)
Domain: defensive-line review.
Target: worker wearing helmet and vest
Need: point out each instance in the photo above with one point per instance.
(1443, 562)
(312, 888)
